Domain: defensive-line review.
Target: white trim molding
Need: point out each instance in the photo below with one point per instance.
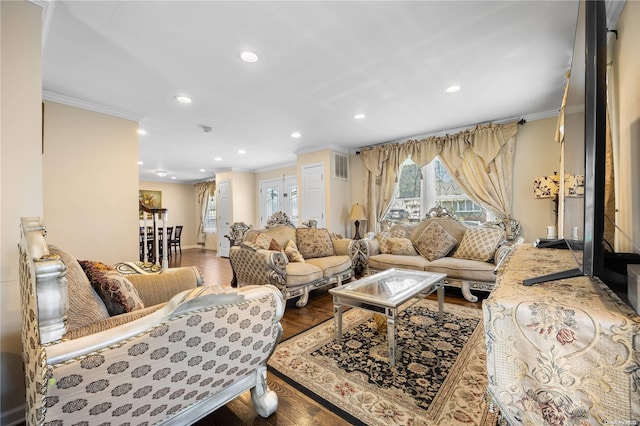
(91, 106)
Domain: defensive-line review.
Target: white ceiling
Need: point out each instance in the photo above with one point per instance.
(320, 63)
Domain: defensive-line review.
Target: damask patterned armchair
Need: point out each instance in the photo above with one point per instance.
(184, 351)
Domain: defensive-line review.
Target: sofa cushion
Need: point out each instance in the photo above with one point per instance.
(434, 242)
(463, 269)
(331, 265)
(299, 274)
(479, 244)
(383, 238)
(314, 242)
(85, 305)
(387, 261)
(116, 291)
(292, 252)
(401, 246)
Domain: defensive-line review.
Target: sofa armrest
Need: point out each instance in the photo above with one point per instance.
(160, 288)
(201, 300)
(201, 343)
(258, 267)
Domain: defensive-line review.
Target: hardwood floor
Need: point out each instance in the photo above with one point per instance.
(294, 407)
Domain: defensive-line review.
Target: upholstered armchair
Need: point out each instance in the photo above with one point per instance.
(179, 351)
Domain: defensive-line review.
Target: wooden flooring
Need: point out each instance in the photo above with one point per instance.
(294, 407)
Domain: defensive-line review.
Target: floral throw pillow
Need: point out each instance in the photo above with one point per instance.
(314, 242)
(401, 246)
(116, 291)
(480, 244)
(291, 250)
(383, 238)
(434, 242)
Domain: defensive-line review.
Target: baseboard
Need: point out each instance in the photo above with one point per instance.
(12, 417)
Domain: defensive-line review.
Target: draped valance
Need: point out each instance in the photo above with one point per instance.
(479, 159)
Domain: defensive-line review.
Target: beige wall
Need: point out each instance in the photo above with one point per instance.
(537, 154)
(626, 108)
(20, 179)
(180, 199)
(91, 183)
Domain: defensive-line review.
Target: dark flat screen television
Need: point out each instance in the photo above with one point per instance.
(585, 145)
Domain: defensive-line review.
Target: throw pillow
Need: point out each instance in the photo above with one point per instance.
(479, 244)
(85, 306)
(263, 241)
(434, 242)
(314, 242)
(401, 246)
(382, 238)
(274, 245)
(292, 252)
(116, 291)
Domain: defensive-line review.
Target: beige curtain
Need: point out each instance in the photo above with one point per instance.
(204, 190)
(480, 160)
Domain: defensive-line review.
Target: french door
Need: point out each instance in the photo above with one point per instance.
(279, 195)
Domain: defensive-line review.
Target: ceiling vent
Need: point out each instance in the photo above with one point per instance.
(340, 166)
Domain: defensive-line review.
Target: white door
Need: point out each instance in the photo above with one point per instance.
(224, 217)
(313, 194)
(279, 195)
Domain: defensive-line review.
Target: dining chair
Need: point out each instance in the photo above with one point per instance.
(175, 242)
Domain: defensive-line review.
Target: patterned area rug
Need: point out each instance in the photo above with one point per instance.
(440, 377)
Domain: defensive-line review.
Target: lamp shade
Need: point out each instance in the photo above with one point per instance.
(357, 213)
(546, 186)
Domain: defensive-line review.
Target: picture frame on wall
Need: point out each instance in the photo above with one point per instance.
(150, 199)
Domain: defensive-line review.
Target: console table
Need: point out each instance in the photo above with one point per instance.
(565, 352)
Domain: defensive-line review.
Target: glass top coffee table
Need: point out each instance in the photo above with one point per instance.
(384, 293)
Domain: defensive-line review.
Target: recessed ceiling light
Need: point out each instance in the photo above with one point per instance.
(161, 173)
(202, 170)
(359, 116)
(140, 163)
(452, 89)
(249, 57)
(242, 151)
(182, 99)
(296, 135)
(173, 177)
(142, 132)
(218, 158)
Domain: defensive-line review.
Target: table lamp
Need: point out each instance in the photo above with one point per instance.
(357, 214)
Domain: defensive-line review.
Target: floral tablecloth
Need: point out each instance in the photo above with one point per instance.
(565, 352)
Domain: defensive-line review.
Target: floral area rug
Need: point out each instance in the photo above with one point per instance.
(440, 376)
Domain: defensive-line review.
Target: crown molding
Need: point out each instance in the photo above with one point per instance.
(81, 103)
(42, 3)
(330, 147)
(614, 9)
(276, 167)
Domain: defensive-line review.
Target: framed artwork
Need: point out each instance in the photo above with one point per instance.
(150, 199)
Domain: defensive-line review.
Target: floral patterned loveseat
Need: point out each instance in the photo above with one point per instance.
(563, 352)
(164, 350)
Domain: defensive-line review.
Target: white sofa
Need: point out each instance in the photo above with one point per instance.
(464, 273)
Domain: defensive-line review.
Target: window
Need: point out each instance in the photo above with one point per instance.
(211, 216)
(421, 189)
